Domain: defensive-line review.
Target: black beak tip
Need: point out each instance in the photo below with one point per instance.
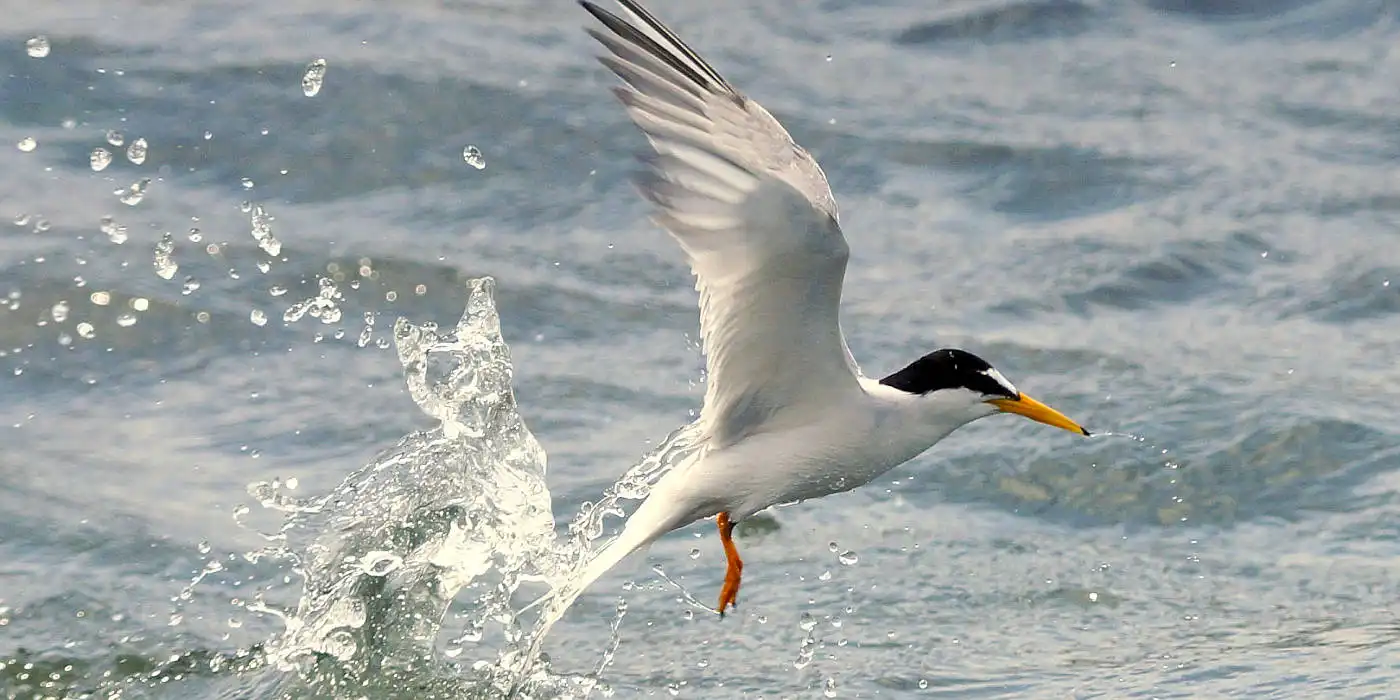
(1086, 432)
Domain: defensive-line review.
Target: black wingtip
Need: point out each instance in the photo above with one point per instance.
(597, 12)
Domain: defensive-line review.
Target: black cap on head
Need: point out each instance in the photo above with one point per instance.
(950, 368)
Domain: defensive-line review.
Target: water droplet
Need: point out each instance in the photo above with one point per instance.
(131, 196)
(116, 233)
(100, 298)
(27, 144)
(59, 312)
(176, 619)
(847, 558)
(37, 47)
(366, 334)
(311, 80)
(21, 220)
(203, 547)
(807, 622)
(829, 688)
(825, 576)
(264, 266)
(85, 330)
(140, 303)
(380, 563)
(472, 155)
(116, 138)
(695, 553)
(136, 152)
(41, 226)
(247, 184)
(258, 317)
(262, 231)
(276, 290)
(923, 684)
(235, 623)
(164, 259)
(190, 286)
(99, 159)
(126, 320)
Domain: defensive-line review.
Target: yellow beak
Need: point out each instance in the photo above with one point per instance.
(1038, 412)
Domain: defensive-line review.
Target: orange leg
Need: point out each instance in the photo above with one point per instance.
(729, 594)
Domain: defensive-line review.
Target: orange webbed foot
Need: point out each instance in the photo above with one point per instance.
(729, 593)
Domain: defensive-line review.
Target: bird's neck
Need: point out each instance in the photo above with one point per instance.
(907, 424)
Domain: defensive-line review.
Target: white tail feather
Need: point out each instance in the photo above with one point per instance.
(655, 517)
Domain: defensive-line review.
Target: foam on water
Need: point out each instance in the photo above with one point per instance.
(462, 507)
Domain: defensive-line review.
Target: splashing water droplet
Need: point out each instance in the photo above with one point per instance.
(37, 47)
(203, 547)
(262, 231)
(99, 159)
(126, 320)
(695, 553)
(258, 317)
(164, 259)
(116, 138)
(276, 290)
(847, 558)
(473, 157)
(829, 688)
(190, 286)
(116, 233)
(131, 196)
(311, 80)
(366, 334)
(136, 152)
(27, 144)
(59, 312)
(86, 330)
(381, 563)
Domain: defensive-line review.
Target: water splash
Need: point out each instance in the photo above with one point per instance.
(99, 159)
(314, 76)
(37, 47)
(136, 152)
(460, 506)
(473, 157)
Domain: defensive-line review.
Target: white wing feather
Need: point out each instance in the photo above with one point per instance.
(754, 214)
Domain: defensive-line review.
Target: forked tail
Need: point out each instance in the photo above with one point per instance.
(655, 517)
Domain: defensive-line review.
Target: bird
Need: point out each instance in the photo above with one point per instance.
(788, 416)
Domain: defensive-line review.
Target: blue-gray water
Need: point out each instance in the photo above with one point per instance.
(1176, 219)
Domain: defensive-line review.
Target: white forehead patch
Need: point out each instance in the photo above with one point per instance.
(996, 377)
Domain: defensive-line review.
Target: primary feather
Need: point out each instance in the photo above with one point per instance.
(756, 219)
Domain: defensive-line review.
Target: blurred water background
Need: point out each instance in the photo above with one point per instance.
(1176, 220)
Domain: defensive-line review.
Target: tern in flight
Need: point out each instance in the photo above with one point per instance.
(788, 416)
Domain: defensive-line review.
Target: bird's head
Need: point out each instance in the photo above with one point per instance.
(967, 386)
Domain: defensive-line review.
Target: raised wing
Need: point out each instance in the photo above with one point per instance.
(755, 215)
